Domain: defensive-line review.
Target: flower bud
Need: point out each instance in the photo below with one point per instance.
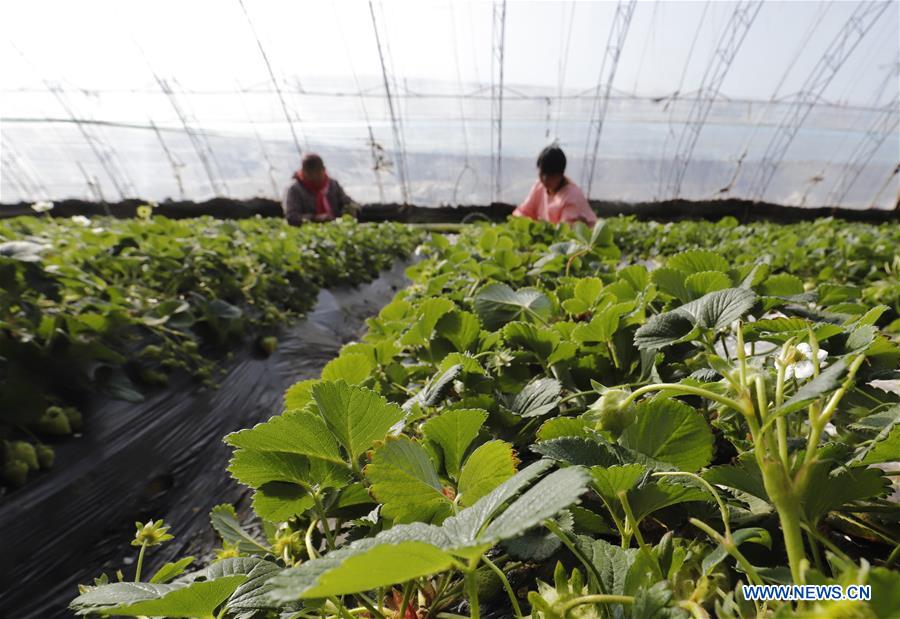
(610, 413)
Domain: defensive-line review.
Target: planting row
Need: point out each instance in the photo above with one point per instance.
(535, 428)
(116, 306)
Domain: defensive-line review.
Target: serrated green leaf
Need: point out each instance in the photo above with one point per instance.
(603, 325)
(827, 492)
(224, 520)
(405, 482)
(562, 426)
(278, 501)
(719, 309)
(459, 328)
(782, 285)
(356, 416)
(539, 340)
(670, 431)
(671, 282)
(428, 313)
(576, 450)
(254, 468)
(544, 500)
(467, 363)
(753, 535)
(743, 476)
(453, 431)
(297, 432)
(170, 570)
(655, 496)
(489, 465)
(198, 599)
(354, 368)
(497, 304)
(251, 594)
(588, 289)
(612, 562)
(299, 395)
(662, 330)
(610, 481)
(698, 260)
(436, 389)
(704, 282)
(538, 397)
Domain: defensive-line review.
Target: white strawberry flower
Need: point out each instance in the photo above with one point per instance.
(81, 220)
(803, 369)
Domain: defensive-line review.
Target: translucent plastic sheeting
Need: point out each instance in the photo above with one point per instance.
(104, 100)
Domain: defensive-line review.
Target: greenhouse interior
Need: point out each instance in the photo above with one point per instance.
(450, 309)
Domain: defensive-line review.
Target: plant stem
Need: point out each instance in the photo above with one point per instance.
(730, 548)
(590, 568)
(310, 549)
(687, 390)
(472, 593)
(407, 594)
(722, 508)
(140, 563)
(506, 585)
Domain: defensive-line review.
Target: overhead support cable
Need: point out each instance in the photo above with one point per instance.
(617, 33)
(173, 163)
(882, 126)
(467, 164)
(498, 42)
(742, 18)
(834, 57)
(265, 57)
(270, 167)
(379, 162)
(563, 66)
(399, 149)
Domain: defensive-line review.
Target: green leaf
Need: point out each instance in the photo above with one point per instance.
(199, 599)
(755, 535)
(489, 465)
(453, 431)
(354, 368)
(612, 562)
(719, 309)
(436, 389)
(466, 362)
(297, 432)
(603, 325)
(562, 426)
(254, 468)
(575, 450)
(704, 282)
(610, 481)
(252, 593)
(299, 395)
(539, 397)
(405, 482)
(655, 496)
(356, 416)
(539, 340)
(698, 260)
(782, 285)
(827, 492)
(669, 430)
(427, 315)
(459, 328)
(780, 330)
(656, 603)
(662, 330)
(497, 304)
(885, 445)
(170, 570)
(278, 501)
(743, 476)
(544, 500)
(224, 520)
(671, 282)
(381, 566)
(588, 290)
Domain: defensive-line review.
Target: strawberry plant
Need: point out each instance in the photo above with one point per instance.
(546, 424)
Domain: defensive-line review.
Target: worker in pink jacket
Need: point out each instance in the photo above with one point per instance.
(554, 197)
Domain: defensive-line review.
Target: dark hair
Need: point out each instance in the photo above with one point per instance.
(312, 162)
(552, 160)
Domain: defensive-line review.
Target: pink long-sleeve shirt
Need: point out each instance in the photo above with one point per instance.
(567, 205)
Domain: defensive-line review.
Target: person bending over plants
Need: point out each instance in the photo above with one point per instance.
(314, 196)
(554, 197)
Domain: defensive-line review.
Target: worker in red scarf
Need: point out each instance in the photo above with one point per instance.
(315, 197)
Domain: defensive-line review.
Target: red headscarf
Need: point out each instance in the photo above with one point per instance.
(320, 190)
